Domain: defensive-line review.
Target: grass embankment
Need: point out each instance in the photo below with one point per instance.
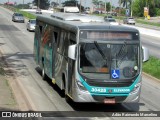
(2, 71)
(26, 14)
(152, 67)
(147, 22)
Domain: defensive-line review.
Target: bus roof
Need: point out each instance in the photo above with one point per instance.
(75, 21)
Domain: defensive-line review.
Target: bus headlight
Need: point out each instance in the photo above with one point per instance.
(136, 88)
(81, 87)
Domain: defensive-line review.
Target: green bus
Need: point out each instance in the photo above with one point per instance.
(91, 60)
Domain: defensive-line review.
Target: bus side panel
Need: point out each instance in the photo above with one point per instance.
(48, 47)
(70, 67)
(48, 61)
(43, 47)
(70, 77)
(35, 51)
(37, 45)
(60, 62)
(60, 67)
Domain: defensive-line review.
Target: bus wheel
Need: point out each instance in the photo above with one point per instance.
(43, 73)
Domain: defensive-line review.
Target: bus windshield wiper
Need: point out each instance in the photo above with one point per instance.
(121, 54)
(100, 50)
(121, 51)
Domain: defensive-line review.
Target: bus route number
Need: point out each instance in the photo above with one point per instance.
(101, 90)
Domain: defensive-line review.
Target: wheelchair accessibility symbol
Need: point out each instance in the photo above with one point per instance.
(115, 74)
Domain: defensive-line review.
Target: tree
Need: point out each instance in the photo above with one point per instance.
(95, 2)
(138, 6)
(43, 4)
(70, 3)
(155, 3)
(108, 6)
(101, 3)
(54, 4)
(98, 3)
(22, 6)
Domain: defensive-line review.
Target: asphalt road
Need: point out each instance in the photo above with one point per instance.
(148, 26)
(153, 44)
(17, 45)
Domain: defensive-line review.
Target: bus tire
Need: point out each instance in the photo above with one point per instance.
(43, 73)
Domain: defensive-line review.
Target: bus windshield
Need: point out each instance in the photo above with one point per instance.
(100, 60)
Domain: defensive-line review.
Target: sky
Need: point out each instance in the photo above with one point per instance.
(86, 3)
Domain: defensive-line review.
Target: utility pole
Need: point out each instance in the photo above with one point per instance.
(131, 8)
(38, 4)
(80, 5)
(8, 4)
(85, 4)
(111, 5)
(119, 11)
(23, 5)
(105, 6)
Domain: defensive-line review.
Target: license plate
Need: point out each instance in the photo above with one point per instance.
(109, 101)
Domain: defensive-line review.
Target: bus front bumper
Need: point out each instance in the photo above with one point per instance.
(84, 96)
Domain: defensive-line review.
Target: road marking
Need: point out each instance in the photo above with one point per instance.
(155, 43)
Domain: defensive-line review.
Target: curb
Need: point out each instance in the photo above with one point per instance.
(151, 77)
(21, 96)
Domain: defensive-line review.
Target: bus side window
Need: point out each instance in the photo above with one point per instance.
(72, 42)
(38, 33)
(50, 44)
(61, 42)
(41, 26)
(69, 40)
(55, 35)
(50, 37)
(66, 44)
(54, 40)
(58, 41)
(72, 39)
(40, 29)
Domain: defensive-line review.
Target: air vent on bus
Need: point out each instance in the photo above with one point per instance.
(77, 17)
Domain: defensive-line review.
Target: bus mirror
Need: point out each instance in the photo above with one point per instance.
(145, 54)
(72, 52)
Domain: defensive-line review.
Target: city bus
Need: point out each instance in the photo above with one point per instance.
(90, 60)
